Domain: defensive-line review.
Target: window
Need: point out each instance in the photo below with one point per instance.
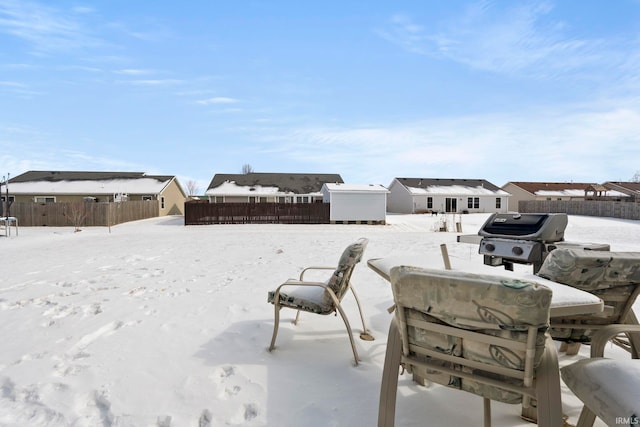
(302, 199)
(44, 199)
(147, 198)
(218, 199)
(11, 198)
(253, 199)
(263, 200)
(429, 202)
(469, 202)
(498, 202)
(162, 202)
(473, 202)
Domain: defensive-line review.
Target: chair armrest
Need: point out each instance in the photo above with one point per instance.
(314, 268)
(602, 336)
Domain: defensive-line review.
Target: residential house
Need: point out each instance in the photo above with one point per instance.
(73, 186)
(420, 195)
(269, 187)
(355, 203)
(576, 191)
(629, 189)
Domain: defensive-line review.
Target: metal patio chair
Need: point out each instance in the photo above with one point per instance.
(609, 389)
(612, 276)
(482, 334)
(322, 297)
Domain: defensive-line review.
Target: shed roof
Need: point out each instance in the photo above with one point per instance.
(356, 188)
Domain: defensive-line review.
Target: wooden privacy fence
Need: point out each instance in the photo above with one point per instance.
(612, 209)
(199, 213)
(83, 214)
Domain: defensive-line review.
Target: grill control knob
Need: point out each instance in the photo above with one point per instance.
(490, 247)
(517, 250)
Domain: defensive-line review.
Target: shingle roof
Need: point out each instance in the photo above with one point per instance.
(534, 187)
(447, 182)
(297, 183)
(88, 183)
(82, 176)
(626, 187)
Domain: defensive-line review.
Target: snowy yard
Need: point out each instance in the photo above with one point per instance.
(153, 323)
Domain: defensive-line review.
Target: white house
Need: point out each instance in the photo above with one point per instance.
(356, 202)
(421, 195)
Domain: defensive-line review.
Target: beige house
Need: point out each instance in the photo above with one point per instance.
(630, 189)
(525, 191)
(72, 186)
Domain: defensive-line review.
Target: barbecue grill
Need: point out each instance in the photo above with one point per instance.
(521, 238)
(514, 238)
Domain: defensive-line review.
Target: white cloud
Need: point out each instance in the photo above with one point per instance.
(153, 82)
(134, 72)
(523, 38)
(218, 100)
(546, 144)
(47, 29)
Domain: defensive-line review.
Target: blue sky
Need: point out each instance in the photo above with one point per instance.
(500, 90)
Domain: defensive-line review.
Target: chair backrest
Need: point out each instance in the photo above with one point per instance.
(612, 276)
(483, 334)
(339, 281)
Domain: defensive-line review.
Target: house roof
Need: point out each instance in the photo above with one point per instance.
(552, 187)
(87, 183)
(451, 186)
(270, 183)
(558, 189)
(630, 188)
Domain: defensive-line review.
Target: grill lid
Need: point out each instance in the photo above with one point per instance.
(541, 227)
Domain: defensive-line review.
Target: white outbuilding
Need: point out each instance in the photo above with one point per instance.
(356, 203)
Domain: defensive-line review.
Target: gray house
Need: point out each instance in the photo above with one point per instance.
(269, 187)
(421, 195)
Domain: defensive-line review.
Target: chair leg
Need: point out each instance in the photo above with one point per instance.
(346, 323)
(389, 386)
(295, 321)
(276, 323)
(365, 335)
(487, 412)
(634, 338)
(548, 396)
(587, 418)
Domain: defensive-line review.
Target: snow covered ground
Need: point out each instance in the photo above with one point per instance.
(153, 323)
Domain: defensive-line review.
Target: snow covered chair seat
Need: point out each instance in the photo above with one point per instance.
(612, 276)
(322, 297)
(610, 389)
(482, 334)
